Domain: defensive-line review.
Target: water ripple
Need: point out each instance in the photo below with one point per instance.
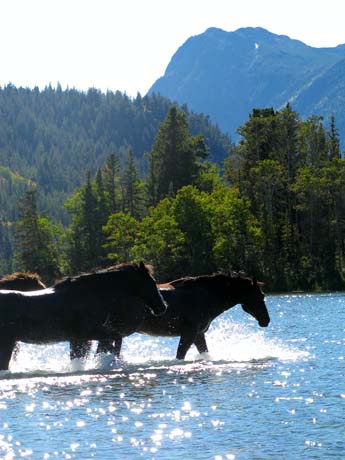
(269, 394)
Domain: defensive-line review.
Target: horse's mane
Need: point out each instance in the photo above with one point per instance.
(188, 281)
(96, 273)
(126, 266)
(20, 275)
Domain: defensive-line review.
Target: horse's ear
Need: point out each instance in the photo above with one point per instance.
(256, 282)
(142, 265)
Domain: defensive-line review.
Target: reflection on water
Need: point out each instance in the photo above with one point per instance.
(265, 394)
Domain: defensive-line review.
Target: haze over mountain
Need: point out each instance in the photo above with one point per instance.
(227, 74)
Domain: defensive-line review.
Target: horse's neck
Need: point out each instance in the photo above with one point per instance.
(225, 298)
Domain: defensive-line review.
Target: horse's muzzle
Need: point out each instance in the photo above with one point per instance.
(264, 323)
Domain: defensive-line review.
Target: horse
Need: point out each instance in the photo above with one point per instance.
(193, 303)
(105, 304)
(22, 281)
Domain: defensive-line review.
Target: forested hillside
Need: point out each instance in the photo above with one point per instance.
(278, 213)
(51, 138)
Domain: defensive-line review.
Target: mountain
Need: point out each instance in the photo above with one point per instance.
(227, 74)
(325, 95)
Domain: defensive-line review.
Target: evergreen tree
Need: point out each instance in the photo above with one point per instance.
(85, 238)
(312, 142)
(111, 181)
(287, 141)
(102, 202)
(36, 250)
(175, 156)
(258, 137)
(133, 189)
(333, 141)
(5, 249)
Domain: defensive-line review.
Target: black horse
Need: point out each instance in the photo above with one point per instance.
(193, 303)
(107, 304)
(21, 281)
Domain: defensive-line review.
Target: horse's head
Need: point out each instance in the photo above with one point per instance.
(148, 291)
(253, 303)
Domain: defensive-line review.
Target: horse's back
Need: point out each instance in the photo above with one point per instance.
(23, 294)
(165, 287)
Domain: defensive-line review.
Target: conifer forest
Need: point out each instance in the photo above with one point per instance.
(90, 180)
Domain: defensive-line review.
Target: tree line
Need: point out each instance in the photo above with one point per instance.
(277, 210)
(51, 137)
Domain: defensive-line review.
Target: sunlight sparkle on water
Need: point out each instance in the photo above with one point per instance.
(286, 379)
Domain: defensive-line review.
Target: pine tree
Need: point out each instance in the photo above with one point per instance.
(333, 140)
(85, 238)
(132, 188)
(174, 159)
(111, 180)
(34, 239)
(5, 249)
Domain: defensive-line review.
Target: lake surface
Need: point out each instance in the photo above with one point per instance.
(274, 393)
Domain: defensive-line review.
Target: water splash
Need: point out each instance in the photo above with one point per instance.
(43, 358)
(236, 342)
(228, 342)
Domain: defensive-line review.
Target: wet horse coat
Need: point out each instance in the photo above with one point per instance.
(100, 305)
(21, 281)
(193, 303)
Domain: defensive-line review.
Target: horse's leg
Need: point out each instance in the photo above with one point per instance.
(6, 349)
(15, 351)
(200, 343)
(105, 346)
(117, 347)
(109, 346)
(186, 341)
(79, 348)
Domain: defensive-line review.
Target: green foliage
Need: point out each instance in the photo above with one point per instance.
(36, 240)
(174, 159)
(121, 230)
(292, 173)
(133, 189)
(50, 138)
(6, 261)
(281, 216)
(53, 137)
(160, 241)
(194, 232)
(236, 233)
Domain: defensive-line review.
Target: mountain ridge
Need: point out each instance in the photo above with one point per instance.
(226, 74)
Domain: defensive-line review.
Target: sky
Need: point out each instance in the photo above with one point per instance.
(126, 45)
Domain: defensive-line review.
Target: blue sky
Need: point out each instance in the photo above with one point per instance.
(126, 45)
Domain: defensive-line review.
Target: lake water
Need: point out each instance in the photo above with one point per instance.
(274, 393)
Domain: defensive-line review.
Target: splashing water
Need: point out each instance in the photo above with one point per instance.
(228, 342)
(234, 342)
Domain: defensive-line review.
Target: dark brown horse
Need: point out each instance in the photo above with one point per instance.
(193, 303)
(106, 304)
(22, 281)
